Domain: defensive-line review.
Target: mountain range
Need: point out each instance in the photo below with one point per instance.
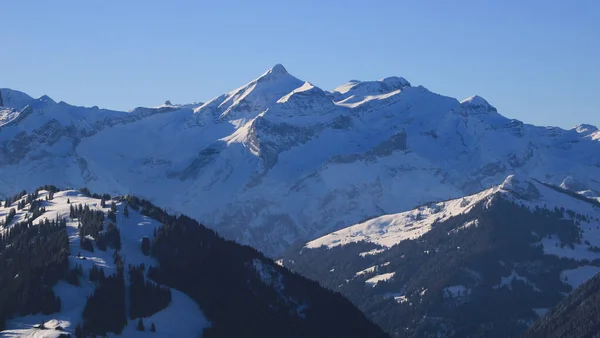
(280, 161)
(433, 216)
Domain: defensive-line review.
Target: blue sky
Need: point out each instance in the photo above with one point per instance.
(537, 61)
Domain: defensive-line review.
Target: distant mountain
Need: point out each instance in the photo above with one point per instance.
(280, 160)
(75, 264)
(484, 265)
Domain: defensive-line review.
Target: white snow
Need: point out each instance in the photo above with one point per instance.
(576, 277)
(475, 100)
(472, 223)
(304, 88)
(398, 297)
(371, 252)
(367, 270)
(507, 281)
(379, 278)
(389, 230)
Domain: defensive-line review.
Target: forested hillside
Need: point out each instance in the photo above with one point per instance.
(81, 264)
(486, 265)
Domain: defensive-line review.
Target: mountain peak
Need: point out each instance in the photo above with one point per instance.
(586, 128)
(396, 82)
(572, 184)
(274, 72)
(522, 186)
(46, 99)
(279, 68)
(477, 103)
(475, 100)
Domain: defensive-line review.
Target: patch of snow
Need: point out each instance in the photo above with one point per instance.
(576, 277)
(572, 184)
(507, 281)
(540, 312)
(379, 278)
(456, 291)
(365, 271)
(398, 297)
(472, 223)
(371, 253)
(268, 274)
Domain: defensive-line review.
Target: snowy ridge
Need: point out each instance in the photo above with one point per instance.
(389, 230)
(255, 97)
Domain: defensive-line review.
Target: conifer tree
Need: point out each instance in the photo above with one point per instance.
(146, 246)
(140, 325)
(78, 331)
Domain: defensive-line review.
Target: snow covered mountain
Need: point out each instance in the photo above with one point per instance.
(280, 160)
(86, 265)
(484, 265)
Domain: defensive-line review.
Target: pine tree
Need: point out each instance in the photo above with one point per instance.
(1, 101)
(103, 203)
(11, 215)
(68, 201)
(78, 331)
(140, 325)
(146, 246)
(125, 210)
(152, 328)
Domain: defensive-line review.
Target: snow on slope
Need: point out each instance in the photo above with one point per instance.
(576, 277)
(379, 278)
(182, 310)
(358, 91)
(278, 159)
(249, 100)
(389, 230)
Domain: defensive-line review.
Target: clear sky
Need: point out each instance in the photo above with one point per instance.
(538, 61)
